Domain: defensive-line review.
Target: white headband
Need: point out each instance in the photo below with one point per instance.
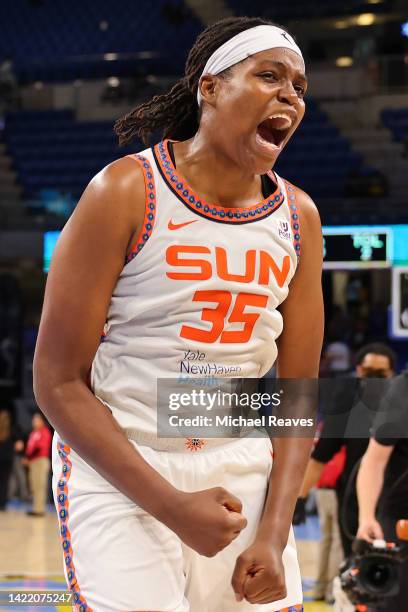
(244, 45)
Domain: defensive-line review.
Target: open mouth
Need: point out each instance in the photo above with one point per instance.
(273, 131)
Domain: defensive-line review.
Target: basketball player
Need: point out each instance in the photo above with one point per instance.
(188, 253)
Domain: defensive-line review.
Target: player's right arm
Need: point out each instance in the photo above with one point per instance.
(87, 261)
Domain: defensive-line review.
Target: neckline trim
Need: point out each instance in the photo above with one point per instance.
(215, 212)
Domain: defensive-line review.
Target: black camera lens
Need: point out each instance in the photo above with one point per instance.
(377, 576)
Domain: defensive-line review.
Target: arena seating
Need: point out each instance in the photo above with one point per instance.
(318, 159)
(396, 120)
(57, 41)
(60, 41)
(52, 150)
(282, 12)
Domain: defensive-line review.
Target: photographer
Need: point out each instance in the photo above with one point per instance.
(344, 424)
(382, 482)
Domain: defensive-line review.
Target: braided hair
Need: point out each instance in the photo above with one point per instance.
(175, 113)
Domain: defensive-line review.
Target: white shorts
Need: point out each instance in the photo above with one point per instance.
(118, 558)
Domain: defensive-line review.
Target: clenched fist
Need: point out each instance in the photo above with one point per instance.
(208, 520)
(259, 575)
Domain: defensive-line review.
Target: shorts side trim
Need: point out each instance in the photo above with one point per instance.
(63, 515)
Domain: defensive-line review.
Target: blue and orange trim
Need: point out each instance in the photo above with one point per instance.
(221, 214)
(79, 600)
(294, 216)
(150, 206)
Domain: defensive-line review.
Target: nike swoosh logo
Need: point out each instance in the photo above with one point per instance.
(175, 226)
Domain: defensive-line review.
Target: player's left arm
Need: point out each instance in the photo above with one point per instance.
(299, 349)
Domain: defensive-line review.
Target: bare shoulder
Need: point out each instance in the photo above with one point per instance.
(121, 174)
(86, 263)
(112, 205)
(108, 215)
(121, 183)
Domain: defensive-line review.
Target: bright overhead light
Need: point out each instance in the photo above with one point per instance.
(113, 82)
(365, 19)
(374, 1)
(344, 61)
(110, 56)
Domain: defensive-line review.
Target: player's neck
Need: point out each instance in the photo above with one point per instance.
(215, 177)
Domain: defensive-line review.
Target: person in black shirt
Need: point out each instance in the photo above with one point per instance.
(382, 482)
(351, 428)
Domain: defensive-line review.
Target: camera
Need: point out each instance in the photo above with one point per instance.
(372, 572)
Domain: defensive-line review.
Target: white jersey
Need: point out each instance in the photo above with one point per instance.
(199, 294)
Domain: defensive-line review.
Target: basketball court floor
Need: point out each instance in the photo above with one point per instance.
(31, 558)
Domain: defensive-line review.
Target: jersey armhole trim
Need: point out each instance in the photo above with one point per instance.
(294, 216)
(150, 206)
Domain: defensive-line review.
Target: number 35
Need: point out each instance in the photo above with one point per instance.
(217, 316)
